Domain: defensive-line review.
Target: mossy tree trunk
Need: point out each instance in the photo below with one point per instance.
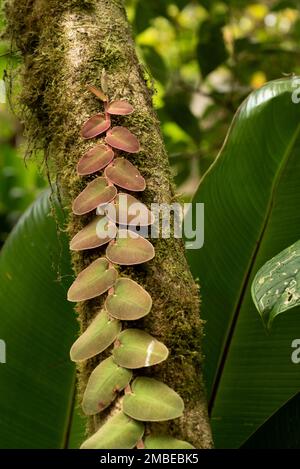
(65, 45)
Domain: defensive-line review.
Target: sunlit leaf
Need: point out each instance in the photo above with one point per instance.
(98, 232)
(128, 301)
(152, 401)
(97, 92)
(129, 248)
(97, 192)
(137, 349)
(95, 125)
(122, 139)
(103, 385)
(96, 279)
(99, 335)
(95, 159)
(124, 174)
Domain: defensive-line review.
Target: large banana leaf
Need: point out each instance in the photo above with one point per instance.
(37, 382)
(252, 198)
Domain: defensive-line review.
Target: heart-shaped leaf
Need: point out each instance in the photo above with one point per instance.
(137, 349)
(95, 159)
(165, 442)
(129, 301)
(129, 249)
(99, 335)
(104, 383)
(124, 174)
(97, 92)
(119, 431)
(152, 401)
(97, 192)
(95, 125)
(121, 108)
(126, 210)
(98, 232)
(96, 279)
(122, 139)
(275, 288)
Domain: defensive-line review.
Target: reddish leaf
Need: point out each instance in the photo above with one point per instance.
(124, 174)
(95, 125)
(127, 210)
(129, 249)
(97, 192)
(100, 231)
(120, 108)
(122, 139)
(97, 92)
(96, 279)
(95, 159)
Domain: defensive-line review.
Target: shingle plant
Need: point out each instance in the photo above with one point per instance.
(144, 399)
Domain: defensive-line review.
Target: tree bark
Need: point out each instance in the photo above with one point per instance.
(65, 45)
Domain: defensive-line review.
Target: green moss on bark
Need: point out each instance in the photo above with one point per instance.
(65, 45)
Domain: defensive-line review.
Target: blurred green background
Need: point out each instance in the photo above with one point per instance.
(202, 58)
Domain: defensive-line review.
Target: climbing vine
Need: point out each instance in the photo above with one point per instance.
(144, 399)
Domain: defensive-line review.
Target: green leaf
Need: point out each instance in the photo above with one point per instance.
(251, 196)
(138, 349)
(118, 432)
(129, 301)
(211, 49)
(165, 442)
(98, 232)
(152, 401)
(96, 193)
(156, 63)
(104, 383)
(38, 326)
(275, 288)
(129, 249)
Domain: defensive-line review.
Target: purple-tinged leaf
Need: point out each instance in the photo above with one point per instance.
(120, 108)
(98, 232)
(95, 159)
(128, 301)
(97, 92)
(124, 174)
(96, 279)
(126, 210)
(122, 139)
(97, 192)
(95, 125)
(129, 249)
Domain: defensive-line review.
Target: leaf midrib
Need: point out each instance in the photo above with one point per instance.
(243, 289)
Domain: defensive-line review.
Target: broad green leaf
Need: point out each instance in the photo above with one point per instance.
(137, 349)
(98, 232)
(128, 300)
(152, 401)
(275, 288)
(122, 139)
(99, 335)
(124, 174)
(95, 159)
(96, 193)
(104, 383)
(165, 442)
(95, 125)
(96, 279)
(129, 249)
(251, 196)
(118, 432)
(38, 325)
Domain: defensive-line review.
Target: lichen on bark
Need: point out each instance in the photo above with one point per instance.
(66, 45)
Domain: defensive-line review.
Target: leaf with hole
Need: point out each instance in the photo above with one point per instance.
(165, 442)
(124, 174)
(137, 349)
(99, 335)
(95, 159)
(129, 248)
(122, 139)
(128, 211)
(97, 192)
(96, 279)
(95, 125)
(120, 108)
(104, 383)
(98, 232)
(97, 92)
(152, 401)
(129, 301)
(118, 432)
(276, 286)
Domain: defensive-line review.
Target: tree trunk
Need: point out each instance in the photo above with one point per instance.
(65, 45)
